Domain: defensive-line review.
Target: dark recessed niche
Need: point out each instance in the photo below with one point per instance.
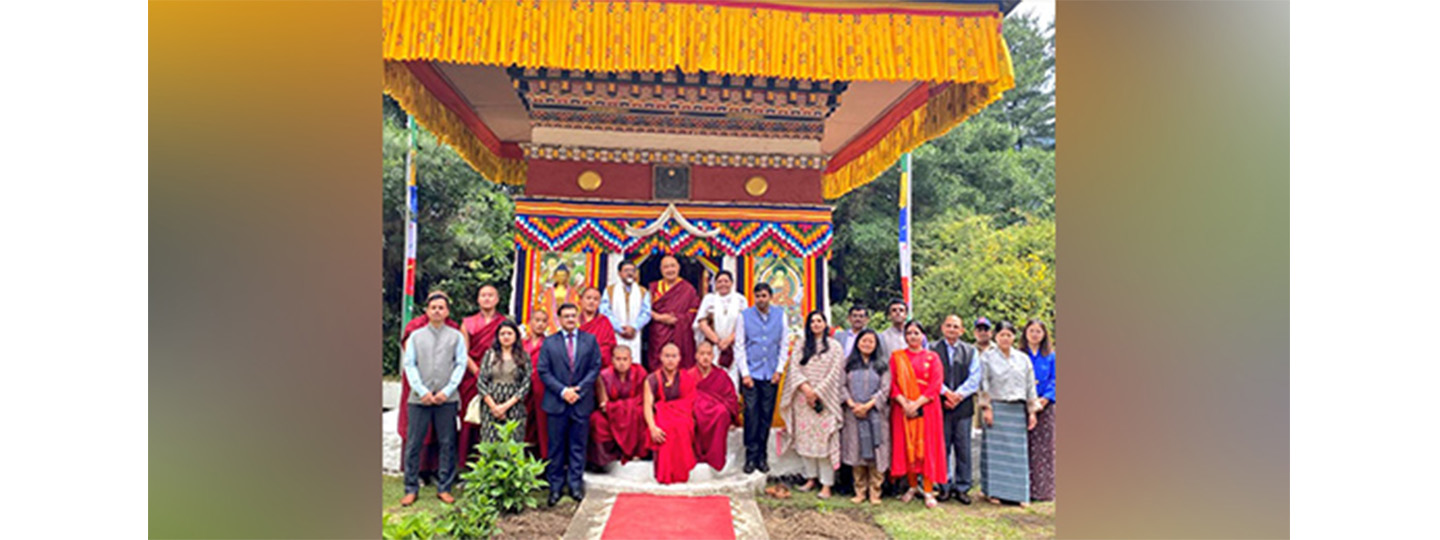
(672, 182)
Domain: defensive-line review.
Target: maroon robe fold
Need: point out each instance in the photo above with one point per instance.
(681, 301)
(675, 415)
(716, 409)
(604, 336)
(481, 335)
(535, 430)
(429, 451)
(617, 431)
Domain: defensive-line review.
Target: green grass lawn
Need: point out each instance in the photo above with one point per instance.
(393, 487)
(949, 520)
(902, 521)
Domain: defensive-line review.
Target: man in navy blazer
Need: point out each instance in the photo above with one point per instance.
(569, 364)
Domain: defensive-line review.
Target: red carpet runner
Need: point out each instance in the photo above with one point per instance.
(638, 516)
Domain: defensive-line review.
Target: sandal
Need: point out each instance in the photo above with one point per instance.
(930, 501)
(806, 487)
(908, 496)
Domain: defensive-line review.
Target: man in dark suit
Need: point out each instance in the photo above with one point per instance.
(962, 380)
(569, 364)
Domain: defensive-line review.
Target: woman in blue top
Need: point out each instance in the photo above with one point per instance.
(1042, 439)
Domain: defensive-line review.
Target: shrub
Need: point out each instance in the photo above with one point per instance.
(417, 526)
(504, 474)
(471, 518)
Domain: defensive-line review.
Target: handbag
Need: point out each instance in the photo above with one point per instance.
(472, 411)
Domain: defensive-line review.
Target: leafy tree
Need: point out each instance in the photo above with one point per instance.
(1002, 273)
(1030, 106)
(464, 230)
(997, 169)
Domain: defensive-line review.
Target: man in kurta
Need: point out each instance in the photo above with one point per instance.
(480, 330)
(429, 449)
(717, 407)
(596, 324)
(617, 427)
(433, 362)
(716, 320)
(627, 305)
(674, 303)
(761, 340)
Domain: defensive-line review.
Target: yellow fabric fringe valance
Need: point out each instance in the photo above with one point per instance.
(937, 117)
(963, 47)
(955, 44)
(449, 128)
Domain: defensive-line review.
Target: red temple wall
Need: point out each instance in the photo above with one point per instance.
(632, 181)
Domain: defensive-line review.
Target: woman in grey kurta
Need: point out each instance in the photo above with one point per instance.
(865, 442)
(503, 383)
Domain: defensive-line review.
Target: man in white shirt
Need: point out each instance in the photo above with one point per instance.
(627, 305)
(893, 338)
(716, 320)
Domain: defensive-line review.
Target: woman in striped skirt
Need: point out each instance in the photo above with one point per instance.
(1007, 395)
(1042, 439)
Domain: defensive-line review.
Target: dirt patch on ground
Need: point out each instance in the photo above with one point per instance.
(812, 524)
(539, 522)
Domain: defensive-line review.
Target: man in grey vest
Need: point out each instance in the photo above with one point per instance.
(433, 361)
(962, 380)
(759, 338)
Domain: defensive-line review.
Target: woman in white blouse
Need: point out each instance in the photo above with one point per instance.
(1007, 400)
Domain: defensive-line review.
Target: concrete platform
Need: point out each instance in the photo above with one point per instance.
(639, 476)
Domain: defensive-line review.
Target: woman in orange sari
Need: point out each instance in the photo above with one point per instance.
(915, 422)
(670, 415)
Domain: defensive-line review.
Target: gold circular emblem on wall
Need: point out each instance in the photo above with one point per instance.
(589, 180)
(756, 186)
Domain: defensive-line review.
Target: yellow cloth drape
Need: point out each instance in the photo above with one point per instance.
(959, 44)
(449, 128)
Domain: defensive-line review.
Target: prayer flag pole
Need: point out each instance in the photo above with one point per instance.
(905, 233)
(407, 304)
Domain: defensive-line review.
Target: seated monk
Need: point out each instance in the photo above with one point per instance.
(616, 431)
(669, 398)
(717, 408)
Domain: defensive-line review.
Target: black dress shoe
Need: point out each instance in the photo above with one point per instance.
(963, 498)
(554, 498)
(578, 494)
(763, 467)
(942, 495)
(749, 468)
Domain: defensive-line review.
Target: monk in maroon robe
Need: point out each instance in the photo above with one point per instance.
(595, 324)
(673, 304)
(536, 435)
(480, 330)
(430, 451)
(617, 427)
(670, 417)
(717, 407)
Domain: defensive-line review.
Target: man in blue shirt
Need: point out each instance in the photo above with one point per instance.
(759, 338)
(962, 380)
